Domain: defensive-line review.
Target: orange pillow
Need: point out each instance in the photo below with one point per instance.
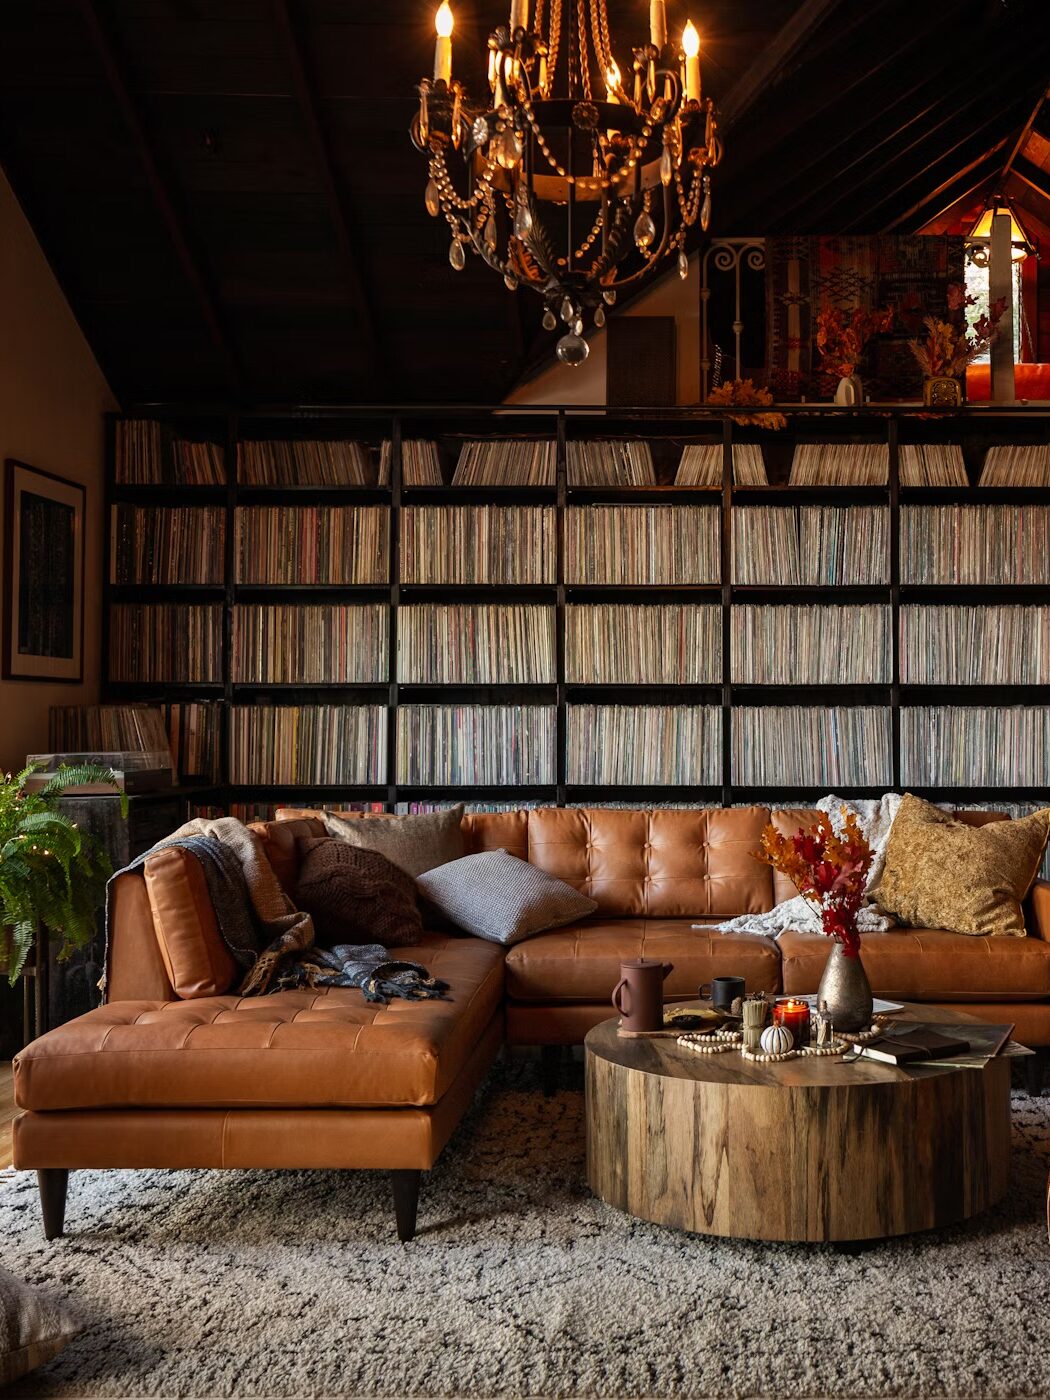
(197, 959)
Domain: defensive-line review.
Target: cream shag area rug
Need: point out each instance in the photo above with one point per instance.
(518, 1284)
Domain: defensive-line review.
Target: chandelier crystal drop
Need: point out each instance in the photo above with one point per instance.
(568, 178)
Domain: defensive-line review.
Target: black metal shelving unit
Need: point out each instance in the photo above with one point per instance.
(667, 431)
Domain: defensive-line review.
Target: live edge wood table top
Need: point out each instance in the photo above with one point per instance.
(811, 1149)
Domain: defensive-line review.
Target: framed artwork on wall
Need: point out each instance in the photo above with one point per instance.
(43, 630)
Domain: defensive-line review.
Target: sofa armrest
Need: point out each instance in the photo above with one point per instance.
(1038, 911)
(135, 969)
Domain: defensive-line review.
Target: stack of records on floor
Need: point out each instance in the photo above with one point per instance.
(507, 462)
(987, 645)
(975, 544)
(151, 544)
(932, 464)
(780, 746)
(307, 745)
(304, 463)
(806, 645)
(973, 747)
(304, 545)
(478, 544)
(811, 546)
(475, 745)
(840, 464)
(637, 745)
(642, 545)
(1017, 464)
(476, 644)
(296, 644)
(642, 644)
(607, 463)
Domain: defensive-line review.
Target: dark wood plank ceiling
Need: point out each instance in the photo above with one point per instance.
(226, 190)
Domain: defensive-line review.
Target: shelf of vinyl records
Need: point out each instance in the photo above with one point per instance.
(398, 609)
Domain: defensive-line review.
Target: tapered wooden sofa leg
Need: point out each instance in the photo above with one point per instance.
(406, 1202)
(53, 1182)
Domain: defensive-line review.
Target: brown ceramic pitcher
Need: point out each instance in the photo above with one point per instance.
(639, 994)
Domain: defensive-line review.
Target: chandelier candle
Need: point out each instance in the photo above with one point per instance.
(566, 177)
(691, 49)
(443, 47)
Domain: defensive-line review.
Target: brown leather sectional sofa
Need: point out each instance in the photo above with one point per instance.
(301, 1079)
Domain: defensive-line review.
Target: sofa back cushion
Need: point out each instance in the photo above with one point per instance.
(660, 863)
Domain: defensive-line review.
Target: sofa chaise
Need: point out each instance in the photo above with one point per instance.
(177, 1070)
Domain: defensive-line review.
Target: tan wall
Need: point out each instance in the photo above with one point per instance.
(52, 398)
(585, 385)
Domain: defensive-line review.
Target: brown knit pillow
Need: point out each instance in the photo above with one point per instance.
(943, 873)
(356, 896)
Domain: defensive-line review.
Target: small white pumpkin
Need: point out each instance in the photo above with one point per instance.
(777, 1040)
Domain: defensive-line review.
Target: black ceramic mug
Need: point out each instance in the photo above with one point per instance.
(722, 992)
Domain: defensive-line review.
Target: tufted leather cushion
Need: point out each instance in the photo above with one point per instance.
(660, 863)
(299, 1049)
(915, 964)
(196, 958)
(582, 962)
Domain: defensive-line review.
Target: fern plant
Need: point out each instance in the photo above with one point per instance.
(52, 874)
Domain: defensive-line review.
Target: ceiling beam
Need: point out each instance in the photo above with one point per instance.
(163, 198)
(777, 53)
(950, 193)
(1032, 176)
(306, 96)
(1025, 132)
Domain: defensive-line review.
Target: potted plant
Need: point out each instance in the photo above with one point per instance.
(948, 347)
(52, 874)
(841, 338)
(830, 871)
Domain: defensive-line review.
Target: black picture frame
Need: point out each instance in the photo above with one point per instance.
(43, 603)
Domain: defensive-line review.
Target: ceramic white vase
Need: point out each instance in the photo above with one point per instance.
(849, 391)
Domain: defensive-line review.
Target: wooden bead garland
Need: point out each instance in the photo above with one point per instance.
(836, 1047)
(710, 1043)
(759, 1057)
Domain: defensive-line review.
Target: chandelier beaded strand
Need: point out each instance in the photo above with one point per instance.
(570, 195)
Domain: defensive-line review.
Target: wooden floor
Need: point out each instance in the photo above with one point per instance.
(7, 1113)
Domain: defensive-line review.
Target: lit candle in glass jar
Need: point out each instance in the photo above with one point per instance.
(794, 1015)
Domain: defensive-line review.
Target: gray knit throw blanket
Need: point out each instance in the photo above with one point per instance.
(268, 937)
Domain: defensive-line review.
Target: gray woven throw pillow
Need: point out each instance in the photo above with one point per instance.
(499, 897)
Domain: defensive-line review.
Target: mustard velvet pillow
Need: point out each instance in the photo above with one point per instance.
(941, 873)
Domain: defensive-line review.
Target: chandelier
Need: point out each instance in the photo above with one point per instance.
(570, 178)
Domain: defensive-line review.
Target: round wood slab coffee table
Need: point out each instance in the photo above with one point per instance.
(811, 1149)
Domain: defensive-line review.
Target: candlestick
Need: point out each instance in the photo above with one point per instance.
(443, 46)
(519, 15)
(612, 82)
(795, 1016)
(691, 49)
(658, 23)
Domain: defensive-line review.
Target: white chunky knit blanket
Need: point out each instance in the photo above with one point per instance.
(874, 817)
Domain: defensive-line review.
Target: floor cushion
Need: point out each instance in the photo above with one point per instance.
(582, 962)
(297, 1049)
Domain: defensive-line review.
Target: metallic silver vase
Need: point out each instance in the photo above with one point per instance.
(847, 991)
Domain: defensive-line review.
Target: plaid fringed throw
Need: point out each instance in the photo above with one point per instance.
(268, 937)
